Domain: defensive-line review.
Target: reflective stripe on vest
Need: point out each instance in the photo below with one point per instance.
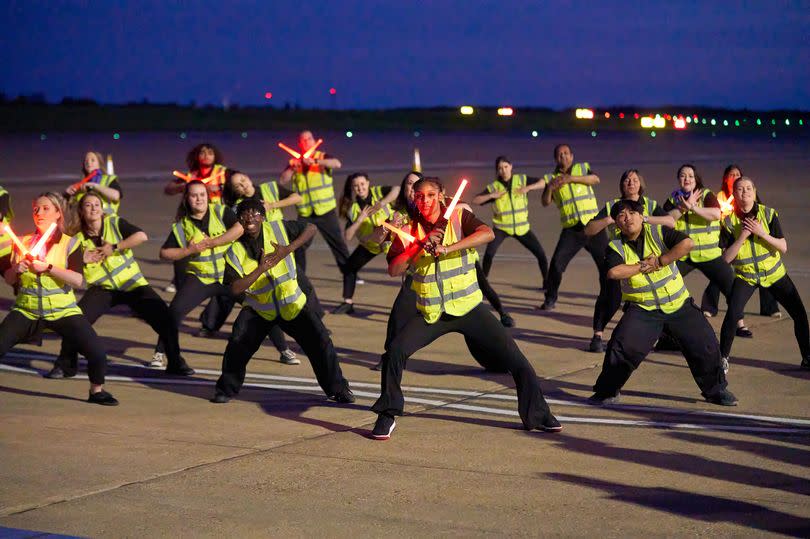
(5, 239)
(276, 290)
(756, 263)
(576, 201)
(41, 295)
(511, 213)
(704, 234)
(365, 232)
(269, 191)
(316, 189)
(108, 207)
(447, 284)
(209, 265)
(118, 271)
(663, 289)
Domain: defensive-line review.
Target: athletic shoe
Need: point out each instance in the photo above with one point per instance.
(777, 315)
(601, 400)
(709, 314)
(182, 370)
(548, 305)
(724, 364)
(103, 398)
(344, 308)
(550, 424)
(360, 281)
(744, 332)
(205, 333)
(726, 398)
(220, 398)
(56, 373)
(383, 427)
(344, 396)
(158, 360)
(806, 363)
(170, 288)
(288, 358)
(507, 321)
(597, 345)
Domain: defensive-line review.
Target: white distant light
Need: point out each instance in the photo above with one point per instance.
(467, 110)
(506, 111)
(584, 114)
(535, 134)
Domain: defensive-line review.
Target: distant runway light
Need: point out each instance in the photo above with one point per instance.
(647, 122)
(787, 122)
(417, 134)
(332, 91)
(584, 114)
(535, 134)
(680, 123)
(659, 122)
(713, 122)
(349, 134)
(725, 123)
(116, 136)
(505, 111)
(593, 133)
(183, 135)
(244, 134)
(652, 134)
(268, 95)
(737, 123)
(635, 116)
(621, 116)
(43, 136)
(607, 115)
(467, 110)
(688, 119)
(773, 134)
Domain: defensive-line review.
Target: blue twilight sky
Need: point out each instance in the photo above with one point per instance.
(411, 53)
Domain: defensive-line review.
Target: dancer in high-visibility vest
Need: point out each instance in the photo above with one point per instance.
(632, 187)
(114, 277)
(756, 244)
(44, 281)
(6, 215)
(768, 306)
(261, 267)
(202, 233)
(96, 180)
(570, 187)
(311, 177)
(510, 213)
(449, 300)
(644, 259)
(365, 208)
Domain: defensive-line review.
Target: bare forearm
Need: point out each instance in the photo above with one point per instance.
(230, 235)
(112, 195)
(680, 250)
(174, 187)
(482, 235)
(291, 200)
(779, 244)
(732, 250)
(663, 220)
(330, 162)
(71, 278)
(174, 253)
(710, 214)
(547, 194)
(589, 179)
(305, 236)
(623, 271)
(240, 285)
(133, 241)
(595, 226)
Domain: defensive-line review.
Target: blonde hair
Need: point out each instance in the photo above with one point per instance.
(75, 222)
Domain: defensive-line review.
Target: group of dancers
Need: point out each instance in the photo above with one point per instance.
(230, 243)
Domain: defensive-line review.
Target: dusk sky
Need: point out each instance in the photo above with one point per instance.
(399, 54)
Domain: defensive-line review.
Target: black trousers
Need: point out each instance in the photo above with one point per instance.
(75, 329)
(785, 293)
(330, 230)
(146, 305)
(717, 271)
(191, 294)
(711, 301)
(359, 258)
(527, 240)
(487, 333)
(250, 329)
(610, 296)
(636, 334)
(571, 240)
(487, 290)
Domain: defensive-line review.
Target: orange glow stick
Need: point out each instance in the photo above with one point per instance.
(85, 180)
(399, 232)
(187, 179)
(308, 153)
(182, 176)
(727, 206)
(40, 245)
(289, 150)
(15, 239)
(452, 205)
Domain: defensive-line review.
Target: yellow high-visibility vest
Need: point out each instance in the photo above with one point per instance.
(576, 201)
(705, 234)
(365, 231)
(120, 270)
(5, 239)
(510, 212)
(448, 284)
(648, 207)
(276, 291)
(209, 265)
(662, 289)
(756, 263)
(108, 207)
(316, 189)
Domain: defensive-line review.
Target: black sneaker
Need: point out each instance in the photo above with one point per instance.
(744, 332)
(550, 424)
(507, 321)
(103, 398)
(548, 305)
(806, 363)
(56, 373)
(182, 370)
(377, 367)
(383, 427)
(344, 308)
(220, 398)
(597, 344)
(344, 396)
(206, 333)
(726, 398)
(601, 400)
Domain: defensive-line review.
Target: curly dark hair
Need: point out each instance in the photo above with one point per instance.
(192, 157)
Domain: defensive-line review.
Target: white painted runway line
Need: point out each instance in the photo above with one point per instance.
(733, 422)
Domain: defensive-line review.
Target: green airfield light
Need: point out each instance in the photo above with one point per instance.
(43, 136)
(652, 134)
(737, 123)
(714, 122)
(725, 123)
(244, 134)
(183, 136)
(535, 134)
(773, 121)
(417, 134)
(593, 133)
(349, 134)
(703, 121)
(773, 134)
(116, 136)
(787, 122)
(759, 122)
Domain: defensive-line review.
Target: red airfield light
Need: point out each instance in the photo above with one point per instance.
(332, 91)
(607, 115)
(621, 115)
(636, 116)
(268, 95)
(680, 123)
(668, 117)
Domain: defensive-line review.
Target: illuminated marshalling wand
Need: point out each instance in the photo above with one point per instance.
(187, 178)
(307, 154)
(76, 186)
(38, 247)
(399, 232)
(441, 224)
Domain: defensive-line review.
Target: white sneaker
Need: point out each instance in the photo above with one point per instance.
(724, 364)
(158, 360)
(170, 288)
(360, 281)
(777, 315)
(288, 357)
